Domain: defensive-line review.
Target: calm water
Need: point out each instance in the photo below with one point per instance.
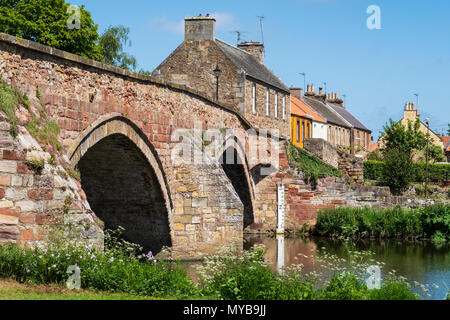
(417, 261)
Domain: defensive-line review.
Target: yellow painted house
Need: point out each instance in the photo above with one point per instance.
(302, 118)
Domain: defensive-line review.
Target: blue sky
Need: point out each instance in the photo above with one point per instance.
(378, 70)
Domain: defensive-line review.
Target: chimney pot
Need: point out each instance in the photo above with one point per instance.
(308, 90)
(320, 91)
(313, 89)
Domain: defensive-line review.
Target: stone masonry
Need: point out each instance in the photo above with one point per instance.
(94, 104)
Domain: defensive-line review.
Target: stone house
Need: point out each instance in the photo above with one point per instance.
(361, 136)
(243, 81)
(338, 130)
(305, 123)
(411, 114)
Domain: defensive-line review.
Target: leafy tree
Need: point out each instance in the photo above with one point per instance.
(112, 43)
(46, 22)
(398, 170)
(436, 154)
(448, 131)
(406, 140)
(399, 145)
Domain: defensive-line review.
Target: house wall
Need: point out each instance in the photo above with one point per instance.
(320, 131)
(301, 129)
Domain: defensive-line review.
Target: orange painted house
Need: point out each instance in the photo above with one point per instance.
(302, 120)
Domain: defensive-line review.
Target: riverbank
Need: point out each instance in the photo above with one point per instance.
(432, 222)
(228, 276)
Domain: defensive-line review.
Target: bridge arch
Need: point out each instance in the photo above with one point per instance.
(235, 165)
(124, 180)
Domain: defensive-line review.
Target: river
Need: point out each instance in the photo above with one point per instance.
(417, 261)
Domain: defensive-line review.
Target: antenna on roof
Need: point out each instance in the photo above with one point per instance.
(261, 19)
(239, 35)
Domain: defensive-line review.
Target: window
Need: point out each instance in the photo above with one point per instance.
(303, 130)
(267, 102)
(276, 105)
(284, 107)
(309, 131)
(254, 98)
(298, 130)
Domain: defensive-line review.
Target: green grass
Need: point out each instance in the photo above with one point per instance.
(8, 102)
(310, 165)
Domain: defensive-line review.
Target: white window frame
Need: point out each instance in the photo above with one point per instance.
(267, 102)
(276, 105)
(284, 107)
(254, 98)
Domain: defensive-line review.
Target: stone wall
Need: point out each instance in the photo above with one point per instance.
(36, 206)
(303, 203)
(350, 165)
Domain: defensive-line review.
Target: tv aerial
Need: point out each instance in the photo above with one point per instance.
(239, 35)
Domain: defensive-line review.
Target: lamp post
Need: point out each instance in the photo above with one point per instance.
(217, 73)
(304, 80)
(427, 121)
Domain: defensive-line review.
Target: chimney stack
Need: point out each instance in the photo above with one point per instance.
(256, 49)
(297, 92)
(200, 28)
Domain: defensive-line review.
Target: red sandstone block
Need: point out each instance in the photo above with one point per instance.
(9, 212)
(2, 193)
(26, 235)
(44, 219)
(13, 155)
(40, 194)
(27, 218)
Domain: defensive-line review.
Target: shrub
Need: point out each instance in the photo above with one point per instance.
(392, 290)
(239, 277)
(344, 287)
(390, 223)
(373, 170)
(398, 171)
(112, 271)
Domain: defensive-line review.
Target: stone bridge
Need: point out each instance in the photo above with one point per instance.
(117, 129)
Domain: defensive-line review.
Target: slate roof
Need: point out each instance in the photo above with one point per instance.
(349, 117)
(326, 112)
(254, 69)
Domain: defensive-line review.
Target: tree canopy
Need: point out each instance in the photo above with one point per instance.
(46, 22)
(112, 43)
(404, 139)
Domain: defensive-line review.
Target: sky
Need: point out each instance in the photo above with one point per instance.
(378, 70)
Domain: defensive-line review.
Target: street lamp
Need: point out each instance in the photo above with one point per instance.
(427, 121)
(304, 80)
(217, 73)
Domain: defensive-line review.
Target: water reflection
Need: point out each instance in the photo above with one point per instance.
(417, 261)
